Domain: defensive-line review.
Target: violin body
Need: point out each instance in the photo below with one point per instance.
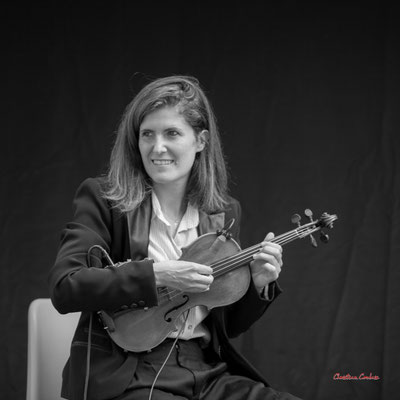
(139, 330)
(143, 329)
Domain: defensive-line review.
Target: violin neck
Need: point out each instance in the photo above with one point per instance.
(245, 256)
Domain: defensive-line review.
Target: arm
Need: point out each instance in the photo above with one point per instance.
(76, 287)
(240, 316)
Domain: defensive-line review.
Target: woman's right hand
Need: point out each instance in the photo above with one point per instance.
(185, 276)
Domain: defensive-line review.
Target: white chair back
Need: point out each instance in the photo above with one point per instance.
(49, 340)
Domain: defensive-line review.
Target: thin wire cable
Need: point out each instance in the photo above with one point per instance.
(168, 355)
(88, 352)
(219, 268)
(89, 342)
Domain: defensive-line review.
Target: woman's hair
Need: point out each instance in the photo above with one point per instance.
(128, 182)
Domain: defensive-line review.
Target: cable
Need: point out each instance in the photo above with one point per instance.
(106, 255)
(104, 252)
(168, 355)
(89, 346)
(89, 340)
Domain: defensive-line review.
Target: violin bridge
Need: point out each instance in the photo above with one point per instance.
(218, 242)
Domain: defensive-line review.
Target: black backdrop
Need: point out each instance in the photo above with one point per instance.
(307, 102)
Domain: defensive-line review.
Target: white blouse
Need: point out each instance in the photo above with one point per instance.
(164, 246)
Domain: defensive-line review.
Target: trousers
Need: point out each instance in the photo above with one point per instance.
(192, 373)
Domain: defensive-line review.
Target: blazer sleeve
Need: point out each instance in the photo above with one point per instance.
(73, 284)
(240, 316)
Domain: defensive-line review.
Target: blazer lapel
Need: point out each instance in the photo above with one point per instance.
(139, 227)
(139, 230)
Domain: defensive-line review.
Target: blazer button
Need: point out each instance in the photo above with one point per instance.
(134, 305)
(141, 303)
(124, 307)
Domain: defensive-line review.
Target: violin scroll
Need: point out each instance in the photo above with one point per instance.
(325, 221)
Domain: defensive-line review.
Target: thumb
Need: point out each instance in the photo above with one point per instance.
(269, 237)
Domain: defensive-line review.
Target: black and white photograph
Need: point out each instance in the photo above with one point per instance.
(200, 201)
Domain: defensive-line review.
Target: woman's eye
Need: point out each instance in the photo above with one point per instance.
(173, 133)
(145, 134)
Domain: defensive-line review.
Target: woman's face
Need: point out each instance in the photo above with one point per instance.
(168, 146)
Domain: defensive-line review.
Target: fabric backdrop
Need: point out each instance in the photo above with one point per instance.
(307, 100)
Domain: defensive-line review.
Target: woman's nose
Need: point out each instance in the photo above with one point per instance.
(159, 144)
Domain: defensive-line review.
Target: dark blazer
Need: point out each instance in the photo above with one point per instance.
(74, 286)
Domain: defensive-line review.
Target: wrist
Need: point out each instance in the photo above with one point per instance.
(159, 268)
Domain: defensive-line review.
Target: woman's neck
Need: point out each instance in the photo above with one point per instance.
(172, 201)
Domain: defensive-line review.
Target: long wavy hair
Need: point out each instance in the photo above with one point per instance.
(128, 182)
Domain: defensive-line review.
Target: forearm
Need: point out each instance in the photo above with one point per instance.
(78, 282)
(75, 287)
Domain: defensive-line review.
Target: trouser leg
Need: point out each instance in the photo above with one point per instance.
(192, 374)
(233, 387)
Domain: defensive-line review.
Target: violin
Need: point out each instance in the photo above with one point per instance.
(140, 330)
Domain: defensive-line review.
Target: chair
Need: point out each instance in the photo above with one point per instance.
(49, 339)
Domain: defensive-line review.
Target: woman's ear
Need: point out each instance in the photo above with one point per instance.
(202, 140)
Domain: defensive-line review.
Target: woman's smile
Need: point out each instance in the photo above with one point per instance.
(162, 162)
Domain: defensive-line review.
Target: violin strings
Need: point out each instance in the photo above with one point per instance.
(232, 262)
(220, 265)
(168, 294)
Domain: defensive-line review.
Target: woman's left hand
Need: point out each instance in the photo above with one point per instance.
(267, 264)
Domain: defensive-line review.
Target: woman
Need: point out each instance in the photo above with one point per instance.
(166, 186)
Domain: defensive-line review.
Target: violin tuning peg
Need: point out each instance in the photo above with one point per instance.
(296, 219)
(313, 241)
(308, 213)
(324, 237)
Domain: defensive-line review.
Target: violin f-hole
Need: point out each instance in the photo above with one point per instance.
(169, 319)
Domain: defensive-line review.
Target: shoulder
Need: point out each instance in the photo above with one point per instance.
(233, 207)
(94, 188)
(89, 198)
(233, 202)
(95, 185)
(233, 211)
